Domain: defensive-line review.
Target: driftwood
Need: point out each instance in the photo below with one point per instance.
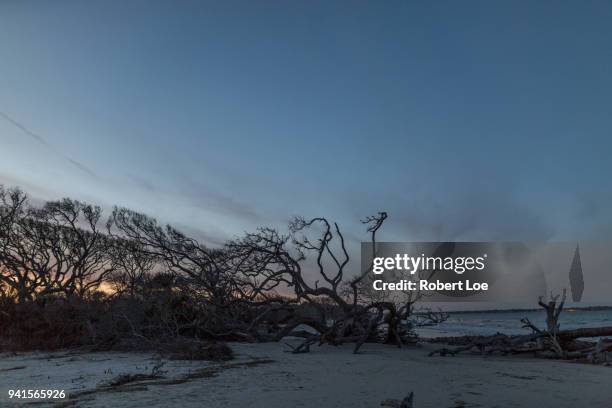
(156, 372)
(331, 310)
(586, 332)
(407, 402)
(550, 342)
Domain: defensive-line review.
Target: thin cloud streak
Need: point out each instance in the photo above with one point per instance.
(38, 138)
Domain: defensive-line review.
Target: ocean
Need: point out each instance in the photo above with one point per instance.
(509, 322)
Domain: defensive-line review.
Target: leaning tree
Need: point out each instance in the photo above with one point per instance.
(317, 247)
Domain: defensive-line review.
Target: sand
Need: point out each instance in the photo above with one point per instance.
(326, 377)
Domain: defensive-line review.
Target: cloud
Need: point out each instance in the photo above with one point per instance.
(201, 196)
(41, 140)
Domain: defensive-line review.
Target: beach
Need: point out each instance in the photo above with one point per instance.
(266, 375)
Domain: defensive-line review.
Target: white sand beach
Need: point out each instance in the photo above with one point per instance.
(265, 375)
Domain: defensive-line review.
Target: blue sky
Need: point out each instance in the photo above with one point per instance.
(464, 120)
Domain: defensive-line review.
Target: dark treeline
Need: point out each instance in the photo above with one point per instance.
(69, 276)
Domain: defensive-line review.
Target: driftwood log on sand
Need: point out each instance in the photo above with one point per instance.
(549, 342)
(407, 402)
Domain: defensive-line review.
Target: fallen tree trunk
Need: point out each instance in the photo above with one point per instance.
(585, 332)
(525, 343)
(551, 342)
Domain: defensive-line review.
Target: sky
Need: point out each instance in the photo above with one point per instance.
(471, 120)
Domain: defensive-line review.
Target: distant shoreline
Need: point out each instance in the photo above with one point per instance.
(580, 309)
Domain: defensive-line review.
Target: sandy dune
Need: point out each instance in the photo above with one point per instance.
(327, 377)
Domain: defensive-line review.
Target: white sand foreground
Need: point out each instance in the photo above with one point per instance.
(326, 377)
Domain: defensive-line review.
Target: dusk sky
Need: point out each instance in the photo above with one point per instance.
(464, 120)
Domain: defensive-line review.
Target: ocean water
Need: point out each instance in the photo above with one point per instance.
(487, 323)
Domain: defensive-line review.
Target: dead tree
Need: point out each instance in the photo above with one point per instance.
(358, 323)
(278, 260)
(553, 311)
(405, 315)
